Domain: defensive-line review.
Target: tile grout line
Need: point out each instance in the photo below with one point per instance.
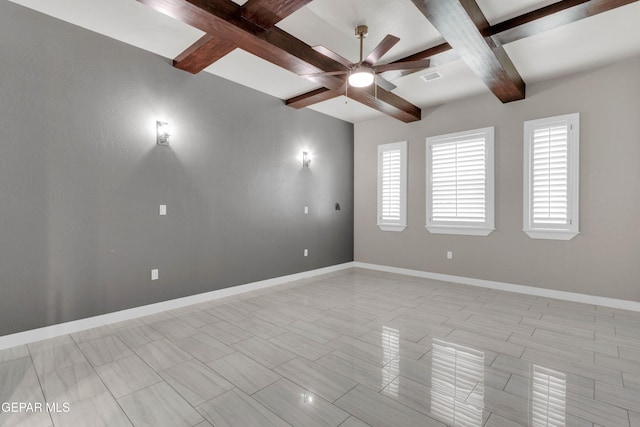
(39, 382)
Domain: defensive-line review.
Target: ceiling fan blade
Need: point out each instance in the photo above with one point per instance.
(384, 83)
(331, 54)
(383, 47)
(326, 73)
(406, 65)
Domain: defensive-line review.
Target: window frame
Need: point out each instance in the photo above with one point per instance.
(548, 231)
(461, 227)
(401, 224)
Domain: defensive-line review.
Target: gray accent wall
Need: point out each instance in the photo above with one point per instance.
(81, 178)
(604, 260)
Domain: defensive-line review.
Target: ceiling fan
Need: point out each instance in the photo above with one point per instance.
(365, 72)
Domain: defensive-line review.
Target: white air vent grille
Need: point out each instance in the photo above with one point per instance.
(429, 77)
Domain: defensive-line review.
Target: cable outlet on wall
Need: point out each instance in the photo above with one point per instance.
(306, 252)
(154, 274)
(449, 254)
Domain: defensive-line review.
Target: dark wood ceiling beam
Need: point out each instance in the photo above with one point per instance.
(224, 18)
(267, 13)
(313, 97)
(550, 17)
(463, 25)
(207, 50)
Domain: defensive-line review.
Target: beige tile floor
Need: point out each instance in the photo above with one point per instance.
(353, 348)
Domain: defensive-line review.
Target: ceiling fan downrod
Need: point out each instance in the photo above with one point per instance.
(361, 32)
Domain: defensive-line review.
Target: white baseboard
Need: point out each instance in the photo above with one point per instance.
(52, 331)
(509, 287)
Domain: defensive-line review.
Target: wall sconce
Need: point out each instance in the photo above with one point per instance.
(162, 132)
(306, 159)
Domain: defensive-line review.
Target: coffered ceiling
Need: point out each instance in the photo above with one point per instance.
(481, 46)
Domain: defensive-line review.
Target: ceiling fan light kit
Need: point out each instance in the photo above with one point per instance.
(361, 76)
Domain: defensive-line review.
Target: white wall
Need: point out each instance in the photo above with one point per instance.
(603, 260)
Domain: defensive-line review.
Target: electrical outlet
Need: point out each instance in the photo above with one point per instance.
(154, 274)
(163, 209)
(449, 254)
(306, 252)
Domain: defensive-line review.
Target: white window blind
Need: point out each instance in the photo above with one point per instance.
(390, 186)
(460, 184)
(551, 178)
(549, 184)
(458, 177)
(392, 182)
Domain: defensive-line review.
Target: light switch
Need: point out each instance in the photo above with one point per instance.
(154, 274)
(163, 209)
(306, 210)
(306, 252)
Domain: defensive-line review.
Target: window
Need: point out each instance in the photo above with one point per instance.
(460, 183)
(392, 186)
(551, 177)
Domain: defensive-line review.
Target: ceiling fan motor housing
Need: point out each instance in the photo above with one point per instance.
(362, 31)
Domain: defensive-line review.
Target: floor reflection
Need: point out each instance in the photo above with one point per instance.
(390, 360)
(457, 393)
(548, 397)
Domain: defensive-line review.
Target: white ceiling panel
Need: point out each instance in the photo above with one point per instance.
(331, 23)
(256, 73)
(585, 44)
(346, 109)
(124, 20)
(457, 82)
(497, 11)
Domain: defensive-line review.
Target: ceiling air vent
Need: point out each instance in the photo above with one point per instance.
(429, 77)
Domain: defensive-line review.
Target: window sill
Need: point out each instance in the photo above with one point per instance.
(551, 234)
(392, 227)
(468, 231)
